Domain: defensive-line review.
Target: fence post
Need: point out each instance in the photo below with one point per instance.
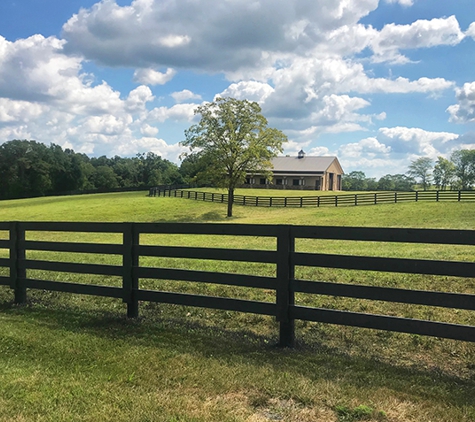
(375, 198)
(130, 262)
(285, 294)
(17, 264)
(318, 201)
(336, 200)
(437, 196)
(417, 195)
(356, 199)
(460, 195)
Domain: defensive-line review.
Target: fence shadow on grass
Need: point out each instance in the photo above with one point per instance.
(312, 361)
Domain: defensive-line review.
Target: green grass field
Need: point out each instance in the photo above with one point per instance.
(76, 358)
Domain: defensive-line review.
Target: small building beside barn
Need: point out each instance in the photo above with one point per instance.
(301, 172)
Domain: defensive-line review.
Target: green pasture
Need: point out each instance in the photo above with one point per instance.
(77, 358)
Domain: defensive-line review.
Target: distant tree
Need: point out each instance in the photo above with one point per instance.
(154, 170)
(105, 178)
(372, 183)
(464, 161)
(356, 180)
(386, 183)
(444, 173)
(25, 169)
(193, 170)
(421, 169)
(399, 182)
(233, 137)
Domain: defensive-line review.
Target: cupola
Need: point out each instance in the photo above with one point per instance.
(301, 154)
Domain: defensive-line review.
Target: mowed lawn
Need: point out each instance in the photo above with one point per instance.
(77, 358)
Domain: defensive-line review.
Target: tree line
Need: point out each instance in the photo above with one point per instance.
(456, 173)
(30, 168)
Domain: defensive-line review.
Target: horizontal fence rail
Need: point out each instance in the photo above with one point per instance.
(343, 200)
(284, 257)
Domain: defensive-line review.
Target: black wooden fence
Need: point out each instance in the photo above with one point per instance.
(320, 201)
(284, 257)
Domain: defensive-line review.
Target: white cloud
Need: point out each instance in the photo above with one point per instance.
(369, 148)
(319, 151)
(45, 96)
(148, 131)
(419, 34)
(392, 149)
(307, 63)
(179, 112)
(156, 145)
(249, 90)
(153, 77)
(403, 140)
(402, 2)
(138, 98)
(203, 34)
(185, 95)
(464, 111)
(12, 111)
(471, 30)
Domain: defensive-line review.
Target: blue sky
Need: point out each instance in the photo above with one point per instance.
(376, 83)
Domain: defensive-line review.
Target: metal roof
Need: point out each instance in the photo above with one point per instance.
(305, 164)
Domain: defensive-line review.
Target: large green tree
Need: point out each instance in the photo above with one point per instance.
(234, 140)
(464, 161)
(421, 169)
(444, 173)
(356, 180)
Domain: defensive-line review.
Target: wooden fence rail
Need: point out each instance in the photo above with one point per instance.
(319, 201)
(284, 257)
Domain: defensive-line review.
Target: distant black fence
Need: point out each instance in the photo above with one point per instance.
(162, 189)
(320, 201)
(284, 257)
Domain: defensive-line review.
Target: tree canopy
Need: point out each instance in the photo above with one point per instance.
(30, 168)
(233, 140)
(420, 169)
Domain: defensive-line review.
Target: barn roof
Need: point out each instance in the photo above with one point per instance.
(305, 164)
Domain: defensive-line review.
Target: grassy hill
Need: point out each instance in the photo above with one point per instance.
(76, 358)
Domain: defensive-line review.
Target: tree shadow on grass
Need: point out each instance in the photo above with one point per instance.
(313, 361)
(206, 217)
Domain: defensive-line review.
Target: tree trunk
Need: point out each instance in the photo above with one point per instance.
(230, 201)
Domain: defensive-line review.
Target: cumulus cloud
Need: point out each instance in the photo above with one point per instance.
(185, 95)
(149, 143)
(402, 2)
(403, 140)
(186, 33)
(369, 148)
(153, 77)
(464, 111)
(307, 63)
(44, 95)
(178, 112)
(35, 69)
(392, 149)
(248, 90)
(419, 34)
(471, 30)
